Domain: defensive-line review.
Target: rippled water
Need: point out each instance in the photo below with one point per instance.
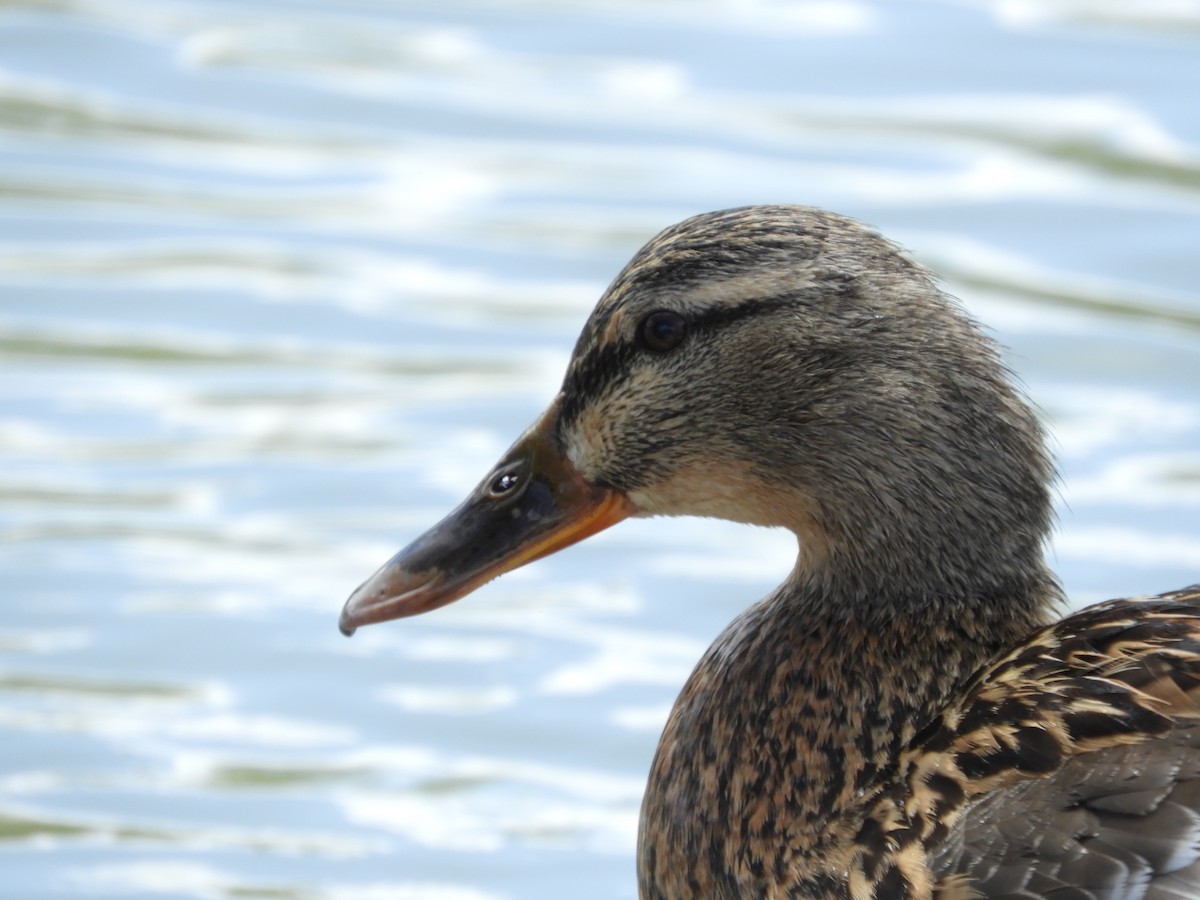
(279, 280)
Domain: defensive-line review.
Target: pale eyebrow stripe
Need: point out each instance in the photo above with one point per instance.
(759, 283)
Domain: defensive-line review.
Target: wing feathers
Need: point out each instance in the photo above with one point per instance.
(1167, 839)
(1070, 768)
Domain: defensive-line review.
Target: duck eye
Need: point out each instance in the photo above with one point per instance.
(504, 484)
(663, 330)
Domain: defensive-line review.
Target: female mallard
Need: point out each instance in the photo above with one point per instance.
(898, 719)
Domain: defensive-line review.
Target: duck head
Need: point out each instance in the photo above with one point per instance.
(779, 366)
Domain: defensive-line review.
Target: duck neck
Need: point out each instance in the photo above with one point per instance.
(797, 710)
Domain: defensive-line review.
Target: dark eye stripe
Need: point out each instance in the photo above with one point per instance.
(590, 375)
(725, 314)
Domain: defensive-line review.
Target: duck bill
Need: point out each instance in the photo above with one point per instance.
(531, 504)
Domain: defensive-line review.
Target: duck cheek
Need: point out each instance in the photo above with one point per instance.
(712, 489)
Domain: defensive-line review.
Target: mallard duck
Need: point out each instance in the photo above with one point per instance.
(902, 717)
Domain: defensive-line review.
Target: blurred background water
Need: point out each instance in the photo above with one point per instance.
(280, 279)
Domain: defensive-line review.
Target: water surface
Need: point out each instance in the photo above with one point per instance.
(280, 280)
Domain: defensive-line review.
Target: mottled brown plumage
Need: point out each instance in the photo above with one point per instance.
(898, 719)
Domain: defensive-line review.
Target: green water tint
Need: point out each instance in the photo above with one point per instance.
(68, 346)
(241, 777)
(50, 112)
(96, 688)
(1095, 155)
(18, 828)
(1108, 305)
